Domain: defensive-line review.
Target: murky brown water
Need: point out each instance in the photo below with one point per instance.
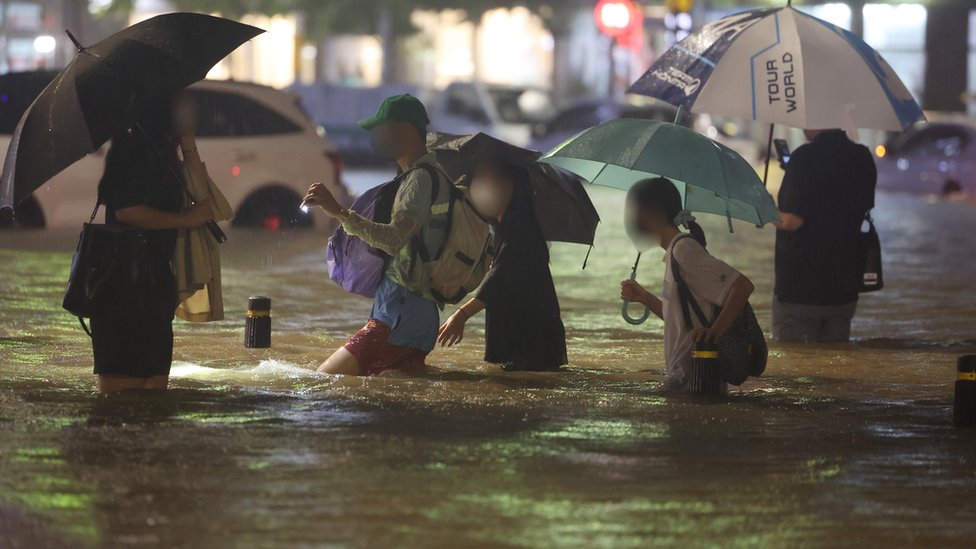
(844, 446)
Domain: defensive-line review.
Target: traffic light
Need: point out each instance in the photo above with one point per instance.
(622, 20)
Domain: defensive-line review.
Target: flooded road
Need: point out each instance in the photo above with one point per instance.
(841, 446)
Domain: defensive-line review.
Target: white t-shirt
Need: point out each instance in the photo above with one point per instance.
(709, 280)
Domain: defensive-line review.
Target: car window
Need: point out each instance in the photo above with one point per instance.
(463, 101)
(225, 114)
(949, 146)
(521, 106)
(947, 141)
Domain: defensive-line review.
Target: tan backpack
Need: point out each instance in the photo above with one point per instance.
(462, 261)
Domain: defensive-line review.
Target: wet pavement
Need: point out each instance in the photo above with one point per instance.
(837, 446)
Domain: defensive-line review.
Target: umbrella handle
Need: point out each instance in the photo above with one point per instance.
(624, 309)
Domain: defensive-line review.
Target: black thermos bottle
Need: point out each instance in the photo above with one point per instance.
(706, 377)
(964, 411)
(257, 327)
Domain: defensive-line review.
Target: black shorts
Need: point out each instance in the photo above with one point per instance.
(132, 334)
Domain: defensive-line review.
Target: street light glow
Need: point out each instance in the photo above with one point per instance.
(615, 15)
(45, 44)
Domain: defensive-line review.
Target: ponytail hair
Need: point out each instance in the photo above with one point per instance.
(660, 195)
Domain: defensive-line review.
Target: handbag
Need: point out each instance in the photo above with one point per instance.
(108, 259)
(742, 351)
(869, 273)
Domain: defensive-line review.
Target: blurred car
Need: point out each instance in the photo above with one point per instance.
(590, 112)
(339, 108)
(260, 147)
(746, 137)
(929, 158)
(506, 112)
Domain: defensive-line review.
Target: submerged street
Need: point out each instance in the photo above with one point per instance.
(836, 446)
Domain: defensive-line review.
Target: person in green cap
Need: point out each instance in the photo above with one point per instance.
(402, 328)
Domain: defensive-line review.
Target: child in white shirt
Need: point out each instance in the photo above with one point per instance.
(654, 212)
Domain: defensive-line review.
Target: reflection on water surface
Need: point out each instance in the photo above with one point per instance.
(839, 446)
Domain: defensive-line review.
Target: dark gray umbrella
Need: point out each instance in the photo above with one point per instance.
(562, 207)
(89, 100)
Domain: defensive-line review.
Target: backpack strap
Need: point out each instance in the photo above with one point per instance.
(685, 297)
(417, 242)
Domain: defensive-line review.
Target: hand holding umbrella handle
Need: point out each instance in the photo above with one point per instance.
(217, 232)
(624, 309)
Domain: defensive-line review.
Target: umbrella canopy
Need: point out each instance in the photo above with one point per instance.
(782, 66)
(562, 207)
(89, 100)
(711, 177)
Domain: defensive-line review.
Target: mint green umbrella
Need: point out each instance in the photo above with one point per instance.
(711, 177)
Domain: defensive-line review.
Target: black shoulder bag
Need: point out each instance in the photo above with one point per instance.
(108, 259)
(742, 351)
(869, 274)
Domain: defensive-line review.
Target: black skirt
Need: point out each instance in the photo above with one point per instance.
(522, 324)
(530, 339)
(132, 333)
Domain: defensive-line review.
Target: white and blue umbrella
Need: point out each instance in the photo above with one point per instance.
(782, 66)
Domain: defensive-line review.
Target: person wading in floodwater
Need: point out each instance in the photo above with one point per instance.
(654, 214)
(132, 331)
(402, 328)
(827, 190)
(523, 329)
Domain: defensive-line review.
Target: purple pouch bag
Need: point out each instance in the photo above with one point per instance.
(353, 264)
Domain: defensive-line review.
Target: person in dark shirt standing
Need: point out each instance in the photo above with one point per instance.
(132, 329)
(827, 190)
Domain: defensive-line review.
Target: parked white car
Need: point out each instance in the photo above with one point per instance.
(930, 158)
(259, 146)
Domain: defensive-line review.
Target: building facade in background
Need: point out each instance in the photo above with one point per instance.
(505, 46)
(32, 33)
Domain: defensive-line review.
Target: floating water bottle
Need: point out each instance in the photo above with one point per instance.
(257, 327)
(706, 376)
(964, 411)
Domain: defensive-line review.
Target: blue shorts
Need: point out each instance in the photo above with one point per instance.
(414, 321)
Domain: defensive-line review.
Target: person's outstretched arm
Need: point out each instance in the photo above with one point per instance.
(738, 296)
(794, 194)
(149, 218)
(631, 290)
(788, 222)
(412, 203)
(452, 331)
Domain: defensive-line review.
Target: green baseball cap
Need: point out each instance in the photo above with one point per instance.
(399, 108)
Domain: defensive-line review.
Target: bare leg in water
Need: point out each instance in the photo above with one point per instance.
(111, 384)
(341, 362)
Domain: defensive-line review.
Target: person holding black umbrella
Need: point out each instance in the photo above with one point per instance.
(132, 332)
(124, 88)
(523, 328)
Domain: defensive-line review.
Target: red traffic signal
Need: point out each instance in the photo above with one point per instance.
(616, 18)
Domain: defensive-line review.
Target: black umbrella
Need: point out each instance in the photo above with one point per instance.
(562, 207)
(90, 100)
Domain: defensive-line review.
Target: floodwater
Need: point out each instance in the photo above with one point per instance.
(840, 446)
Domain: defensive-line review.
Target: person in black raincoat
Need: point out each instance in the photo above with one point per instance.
(523, 329)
